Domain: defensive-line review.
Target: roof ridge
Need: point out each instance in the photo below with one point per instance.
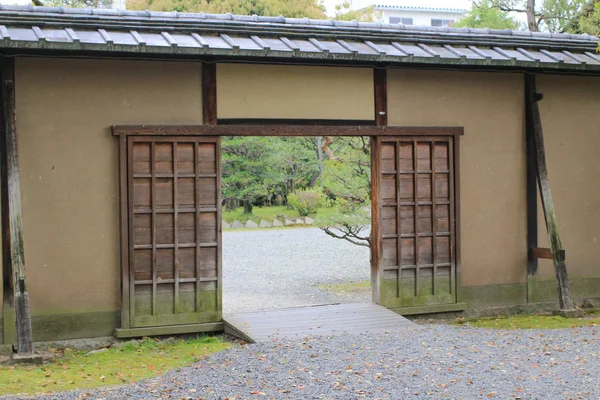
(85, 15)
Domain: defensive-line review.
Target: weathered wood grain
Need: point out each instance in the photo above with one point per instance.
(14, 210)
(294, 323)
(560, 267)
(173, 230)
(284, 130)
(209, 93)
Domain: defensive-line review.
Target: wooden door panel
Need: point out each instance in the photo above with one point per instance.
(417, 221)
(174, 230)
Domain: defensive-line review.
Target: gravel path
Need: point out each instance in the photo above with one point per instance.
(428, 362)
(278, 268)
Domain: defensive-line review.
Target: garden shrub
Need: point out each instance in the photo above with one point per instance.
(307, 201)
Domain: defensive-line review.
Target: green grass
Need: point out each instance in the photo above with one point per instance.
(270, 213)
(136, 360)
(531, 322)
(347, 287)
(258, 213)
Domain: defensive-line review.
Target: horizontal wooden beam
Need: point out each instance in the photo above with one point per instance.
(285, 130)
(546, 253)
(169, 330)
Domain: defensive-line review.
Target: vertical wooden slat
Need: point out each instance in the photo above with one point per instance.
(398, 218)
(376, 236)
(124, 222)
(153, 205)
(416, 213)
(197, 218)
(176, 306)
(209, 93)
(453, 212)
(433, 218)
(131, 261)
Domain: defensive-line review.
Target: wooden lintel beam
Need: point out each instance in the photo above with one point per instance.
(560, 267)
(546, 253)
(11, 209)
(286, 130)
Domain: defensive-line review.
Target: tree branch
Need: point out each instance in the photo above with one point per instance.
(348, 237)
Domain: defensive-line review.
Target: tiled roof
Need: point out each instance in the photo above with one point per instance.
(101, 31)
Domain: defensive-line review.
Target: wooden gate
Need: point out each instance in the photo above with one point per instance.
(174, 214)
(417, 265)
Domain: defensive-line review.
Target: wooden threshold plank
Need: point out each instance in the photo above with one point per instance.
(317, 320)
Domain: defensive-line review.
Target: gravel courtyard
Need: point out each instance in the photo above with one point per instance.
(428, 362)
(282, 268)
(278, 268)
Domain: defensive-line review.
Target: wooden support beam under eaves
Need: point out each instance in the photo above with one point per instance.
(209, 93)
(560, 267)
(11, 209)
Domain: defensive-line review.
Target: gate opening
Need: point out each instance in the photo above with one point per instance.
(296, 221)
(172, 216)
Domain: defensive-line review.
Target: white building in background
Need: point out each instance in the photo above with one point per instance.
(119, 4)
(428, 13)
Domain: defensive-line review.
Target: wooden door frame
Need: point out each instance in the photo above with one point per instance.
(292, 128)
(212, 126)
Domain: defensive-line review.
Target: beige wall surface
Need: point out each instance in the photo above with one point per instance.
(570, 113)
(278, 91)
(492, 160)
(69, 167)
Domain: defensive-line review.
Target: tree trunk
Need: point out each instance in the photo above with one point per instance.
(327, 150)
(247, 206)
(319, 151)
(532, 24)
(230, 204)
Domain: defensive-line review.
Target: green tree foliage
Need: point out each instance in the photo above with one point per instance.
(73, 3)
(483, 15)
(308, 173)
(345, 12)
(261, 168)
(347, 179)
(551, 15)
(291, 9)
(588, 20)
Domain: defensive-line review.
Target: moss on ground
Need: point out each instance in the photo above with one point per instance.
(347, 287)
(135, 360)
(532, 321)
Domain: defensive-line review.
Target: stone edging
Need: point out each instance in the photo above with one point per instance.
(266, 224)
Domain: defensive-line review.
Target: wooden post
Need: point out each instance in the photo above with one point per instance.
(381, 119)
(560, 267)
(13, 209)
(532, 201)
(209, 94)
